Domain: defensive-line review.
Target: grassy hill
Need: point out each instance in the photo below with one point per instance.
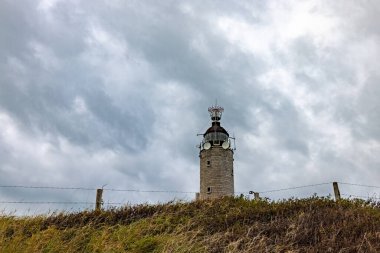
(224, 225)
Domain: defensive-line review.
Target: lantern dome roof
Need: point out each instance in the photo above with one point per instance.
(216, 128)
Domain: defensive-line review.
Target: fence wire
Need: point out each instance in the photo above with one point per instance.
(360, 185)
(360, 196)
(295, 187)
(162, 191)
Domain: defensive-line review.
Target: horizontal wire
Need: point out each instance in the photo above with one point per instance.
(170, 191)
(115, 203)
(295, 187)
(151, 191)
(46, 202)
(57, 202)
(361, 185)
(142, 191)
(47, 187)
(360, 196)
(92, 189)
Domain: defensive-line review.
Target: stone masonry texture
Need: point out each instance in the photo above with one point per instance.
(216, 173)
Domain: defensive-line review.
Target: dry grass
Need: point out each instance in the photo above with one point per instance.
(224, 225)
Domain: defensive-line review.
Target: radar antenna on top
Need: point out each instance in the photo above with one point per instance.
(216, 112)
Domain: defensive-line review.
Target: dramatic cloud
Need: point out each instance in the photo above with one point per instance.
(114, 92)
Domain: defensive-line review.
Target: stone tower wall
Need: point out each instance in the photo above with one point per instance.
(216, 171)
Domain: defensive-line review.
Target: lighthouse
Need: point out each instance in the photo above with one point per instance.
(216, 159)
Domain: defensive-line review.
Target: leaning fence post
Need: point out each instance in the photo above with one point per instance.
(336, 191)
(99, 201)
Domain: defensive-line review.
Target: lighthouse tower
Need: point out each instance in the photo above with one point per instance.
(216, 159)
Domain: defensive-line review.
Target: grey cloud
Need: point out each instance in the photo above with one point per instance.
(368, 115)
(117, 91)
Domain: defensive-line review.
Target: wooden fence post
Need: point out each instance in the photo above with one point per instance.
(99, 200)
(336, 191)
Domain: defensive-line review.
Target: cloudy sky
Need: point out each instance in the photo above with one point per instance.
(115, 92)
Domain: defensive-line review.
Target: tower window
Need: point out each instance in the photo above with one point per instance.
(208, 163)
(209, 190)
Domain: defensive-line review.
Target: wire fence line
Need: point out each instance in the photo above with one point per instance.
(48, 187)
(47, 202)
(295, 187)
(360, 185)
(174, 191)
(59, 202)
(360, 196)
(149, 191)
(92, 189)
(162, 191)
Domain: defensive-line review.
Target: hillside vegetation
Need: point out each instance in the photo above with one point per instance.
(224, 225)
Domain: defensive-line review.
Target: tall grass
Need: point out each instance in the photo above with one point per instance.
(223, 225)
